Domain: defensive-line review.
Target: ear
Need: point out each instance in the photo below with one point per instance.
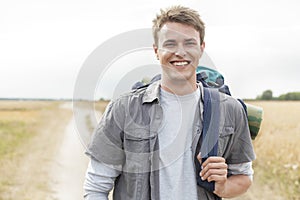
(155, 48)
(202, 46)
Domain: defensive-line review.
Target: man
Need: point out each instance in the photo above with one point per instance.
(145, 143)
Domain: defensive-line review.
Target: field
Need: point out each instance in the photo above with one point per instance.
(277, 170)
(30, 134)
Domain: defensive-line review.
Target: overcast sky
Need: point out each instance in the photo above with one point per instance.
(44, 43)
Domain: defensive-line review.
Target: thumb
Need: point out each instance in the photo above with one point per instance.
(199, 158)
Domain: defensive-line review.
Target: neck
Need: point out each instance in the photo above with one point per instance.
(179, 87)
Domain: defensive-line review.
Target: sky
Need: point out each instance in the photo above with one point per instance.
(45, 44)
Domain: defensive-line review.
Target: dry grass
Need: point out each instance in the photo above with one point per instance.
(28, 132)
(98, 107)
(19, 121)
(277, 149)
(101, 105)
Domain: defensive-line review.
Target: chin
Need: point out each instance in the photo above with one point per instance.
(181, 77)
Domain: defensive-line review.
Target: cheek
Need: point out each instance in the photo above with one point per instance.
(164, 55)
(197, 53)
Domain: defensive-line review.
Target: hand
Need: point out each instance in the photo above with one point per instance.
(214, 169)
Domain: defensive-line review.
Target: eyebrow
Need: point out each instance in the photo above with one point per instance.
(170, 40)
(186, 40)
(190, 40)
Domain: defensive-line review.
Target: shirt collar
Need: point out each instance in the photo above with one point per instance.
(152, 92)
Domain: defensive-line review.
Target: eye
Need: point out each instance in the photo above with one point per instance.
(191, 43)
(169, 44)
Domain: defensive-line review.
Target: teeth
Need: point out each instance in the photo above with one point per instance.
(181, 63)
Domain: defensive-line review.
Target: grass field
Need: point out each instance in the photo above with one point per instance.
(277, 149)
(25, 132)
(18, 123)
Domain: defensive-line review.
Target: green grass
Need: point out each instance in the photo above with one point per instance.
(13, 134)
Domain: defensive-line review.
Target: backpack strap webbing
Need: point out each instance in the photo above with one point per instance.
(208, 142)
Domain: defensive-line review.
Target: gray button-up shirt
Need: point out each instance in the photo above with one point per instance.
(127, 136)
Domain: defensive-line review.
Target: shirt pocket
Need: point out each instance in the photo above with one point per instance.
(225, 140)
(137, 140)
(137, 148)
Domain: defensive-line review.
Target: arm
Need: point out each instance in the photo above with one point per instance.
(234, 186)
(99, 180)
(215, 169)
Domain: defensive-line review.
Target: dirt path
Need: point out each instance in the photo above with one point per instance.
(52, 164)
(69, 166)
(70, 162)
(27, 171)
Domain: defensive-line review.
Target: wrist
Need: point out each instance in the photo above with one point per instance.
(220, 189)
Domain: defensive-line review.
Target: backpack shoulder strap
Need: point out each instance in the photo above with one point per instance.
(211, 121)
(208, 142)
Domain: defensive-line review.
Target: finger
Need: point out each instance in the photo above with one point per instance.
(210, 168)
(217, 178)
(199, 158)
(213, 159)
(213, 172)
(214, 166)
(200, 161)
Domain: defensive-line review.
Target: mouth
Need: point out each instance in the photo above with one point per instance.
(180, 63)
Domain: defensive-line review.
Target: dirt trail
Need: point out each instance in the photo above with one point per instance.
(70, 162)
(52, 164)
(69, 166)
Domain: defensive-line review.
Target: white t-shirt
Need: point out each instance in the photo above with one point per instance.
(177, 174)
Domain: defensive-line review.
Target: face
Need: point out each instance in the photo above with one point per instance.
(179, 51)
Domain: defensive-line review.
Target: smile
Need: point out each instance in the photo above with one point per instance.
(180, 63)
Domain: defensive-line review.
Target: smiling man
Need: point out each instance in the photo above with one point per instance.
(146, 144)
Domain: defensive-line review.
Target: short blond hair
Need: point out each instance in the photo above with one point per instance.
(179, 14)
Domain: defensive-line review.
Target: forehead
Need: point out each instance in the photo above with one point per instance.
(173, 30)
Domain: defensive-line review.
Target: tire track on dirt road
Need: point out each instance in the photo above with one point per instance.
(70, 162)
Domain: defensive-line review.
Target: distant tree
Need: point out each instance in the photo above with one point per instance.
(290, 96)
(267, 95)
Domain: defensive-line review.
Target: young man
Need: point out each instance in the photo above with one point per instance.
(145, 144)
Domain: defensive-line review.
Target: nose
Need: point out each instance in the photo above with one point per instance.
(180, 51)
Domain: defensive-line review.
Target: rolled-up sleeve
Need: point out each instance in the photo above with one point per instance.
(241, 169)
(106, 154)
(99, 180)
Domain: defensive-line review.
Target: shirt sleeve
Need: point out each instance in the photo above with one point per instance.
(99, 180)
(241, 168)
(106, 144)
(241, 150)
